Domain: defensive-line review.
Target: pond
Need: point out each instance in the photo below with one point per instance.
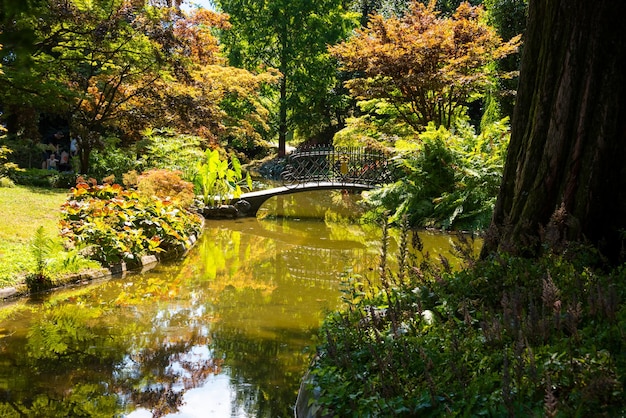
(226, 332)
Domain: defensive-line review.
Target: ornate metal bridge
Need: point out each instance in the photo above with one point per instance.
(365, 166)
(322, 168)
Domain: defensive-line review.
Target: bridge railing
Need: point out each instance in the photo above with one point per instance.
(367, 166)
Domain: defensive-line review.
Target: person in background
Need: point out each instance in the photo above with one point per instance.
(52, 162)
(73, 147)
(64, 161)
(52, 147)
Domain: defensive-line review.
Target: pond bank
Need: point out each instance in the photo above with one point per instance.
(144, 263)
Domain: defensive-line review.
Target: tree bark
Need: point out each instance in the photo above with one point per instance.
(566, 158)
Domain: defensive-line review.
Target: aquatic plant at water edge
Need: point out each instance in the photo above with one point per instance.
(220, 179)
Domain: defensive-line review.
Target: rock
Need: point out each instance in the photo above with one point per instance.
(220, 212)
(7, 292)
(242, 206)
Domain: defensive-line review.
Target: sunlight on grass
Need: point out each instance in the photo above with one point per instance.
(24, 209)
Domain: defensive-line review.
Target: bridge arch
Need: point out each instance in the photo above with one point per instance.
(248, 204)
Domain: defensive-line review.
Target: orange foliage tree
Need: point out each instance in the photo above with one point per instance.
(426, 66)
(202, 95)
(128, 65)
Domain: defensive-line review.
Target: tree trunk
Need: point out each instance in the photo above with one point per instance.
(568, 136)
(282, 118)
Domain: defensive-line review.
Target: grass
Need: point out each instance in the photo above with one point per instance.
(24, 209)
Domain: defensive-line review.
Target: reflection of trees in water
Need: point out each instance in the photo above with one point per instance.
(245, 301)
(269, 307)
(100, 359)
(164, 372)
(275, 365)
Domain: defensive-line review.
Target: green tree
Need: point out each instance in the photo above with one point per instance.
(564, 169)
(291, 36)
(509, 18)
(88, 62)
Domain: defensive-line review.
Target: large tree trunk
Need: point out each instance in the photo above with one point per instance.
(568, 139)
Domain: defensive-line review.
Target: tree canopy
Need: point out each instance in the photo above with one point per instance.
(427, 66)
(123, 66)
(291, 36)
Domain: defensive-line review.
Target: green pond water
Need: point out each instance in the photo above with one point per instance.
(227, 332)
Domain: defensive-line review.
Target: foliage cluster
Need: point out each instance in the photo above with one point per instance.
(38, 177)
(166, 184)
(507, 336)
(121, 67)
(292, 36)
(7, 168)
(120, 225)
(219, 179)
(426, 66)
(167, 149)
(451, 178)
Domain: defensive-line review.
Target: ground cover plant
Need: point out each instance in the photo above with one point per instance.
(507, 336)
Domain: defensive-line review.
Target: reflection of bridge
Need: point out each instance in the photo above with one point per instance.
(324, 168)
(323, 266)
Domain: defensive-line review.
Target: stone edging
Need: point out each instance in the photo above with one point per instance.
(306, 405)
(146, 263)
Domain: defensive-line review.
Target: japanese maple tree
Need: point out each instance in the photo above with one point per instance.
(427, 66)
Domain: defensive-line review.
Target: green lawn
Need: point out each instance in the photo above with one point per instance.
(23, 210)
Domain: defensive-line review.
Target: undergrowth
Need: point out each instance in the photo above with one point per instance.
(505, 336)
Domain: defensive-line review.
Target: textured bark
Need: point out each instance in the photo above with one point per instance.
(568, 139)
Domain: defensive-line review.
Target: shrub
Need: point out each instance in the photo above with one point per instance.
(166, 149)
(112, 160)
(166, 184)
(6, 182)
(38, 177)
(451, 180)
(120, 225)
(7, 168)
(507, 337)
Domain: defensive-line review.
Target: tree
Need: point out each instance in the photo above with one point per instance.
(123, 66)
(291, 36)
(509, 18)
(88, 62)
(564, 174)
(426, 66)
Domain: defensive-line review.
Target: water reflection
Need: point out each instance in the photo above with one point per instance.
(227, 332)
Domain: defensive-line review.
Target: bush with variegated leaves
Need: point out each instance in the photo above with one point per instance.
(117, 224)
